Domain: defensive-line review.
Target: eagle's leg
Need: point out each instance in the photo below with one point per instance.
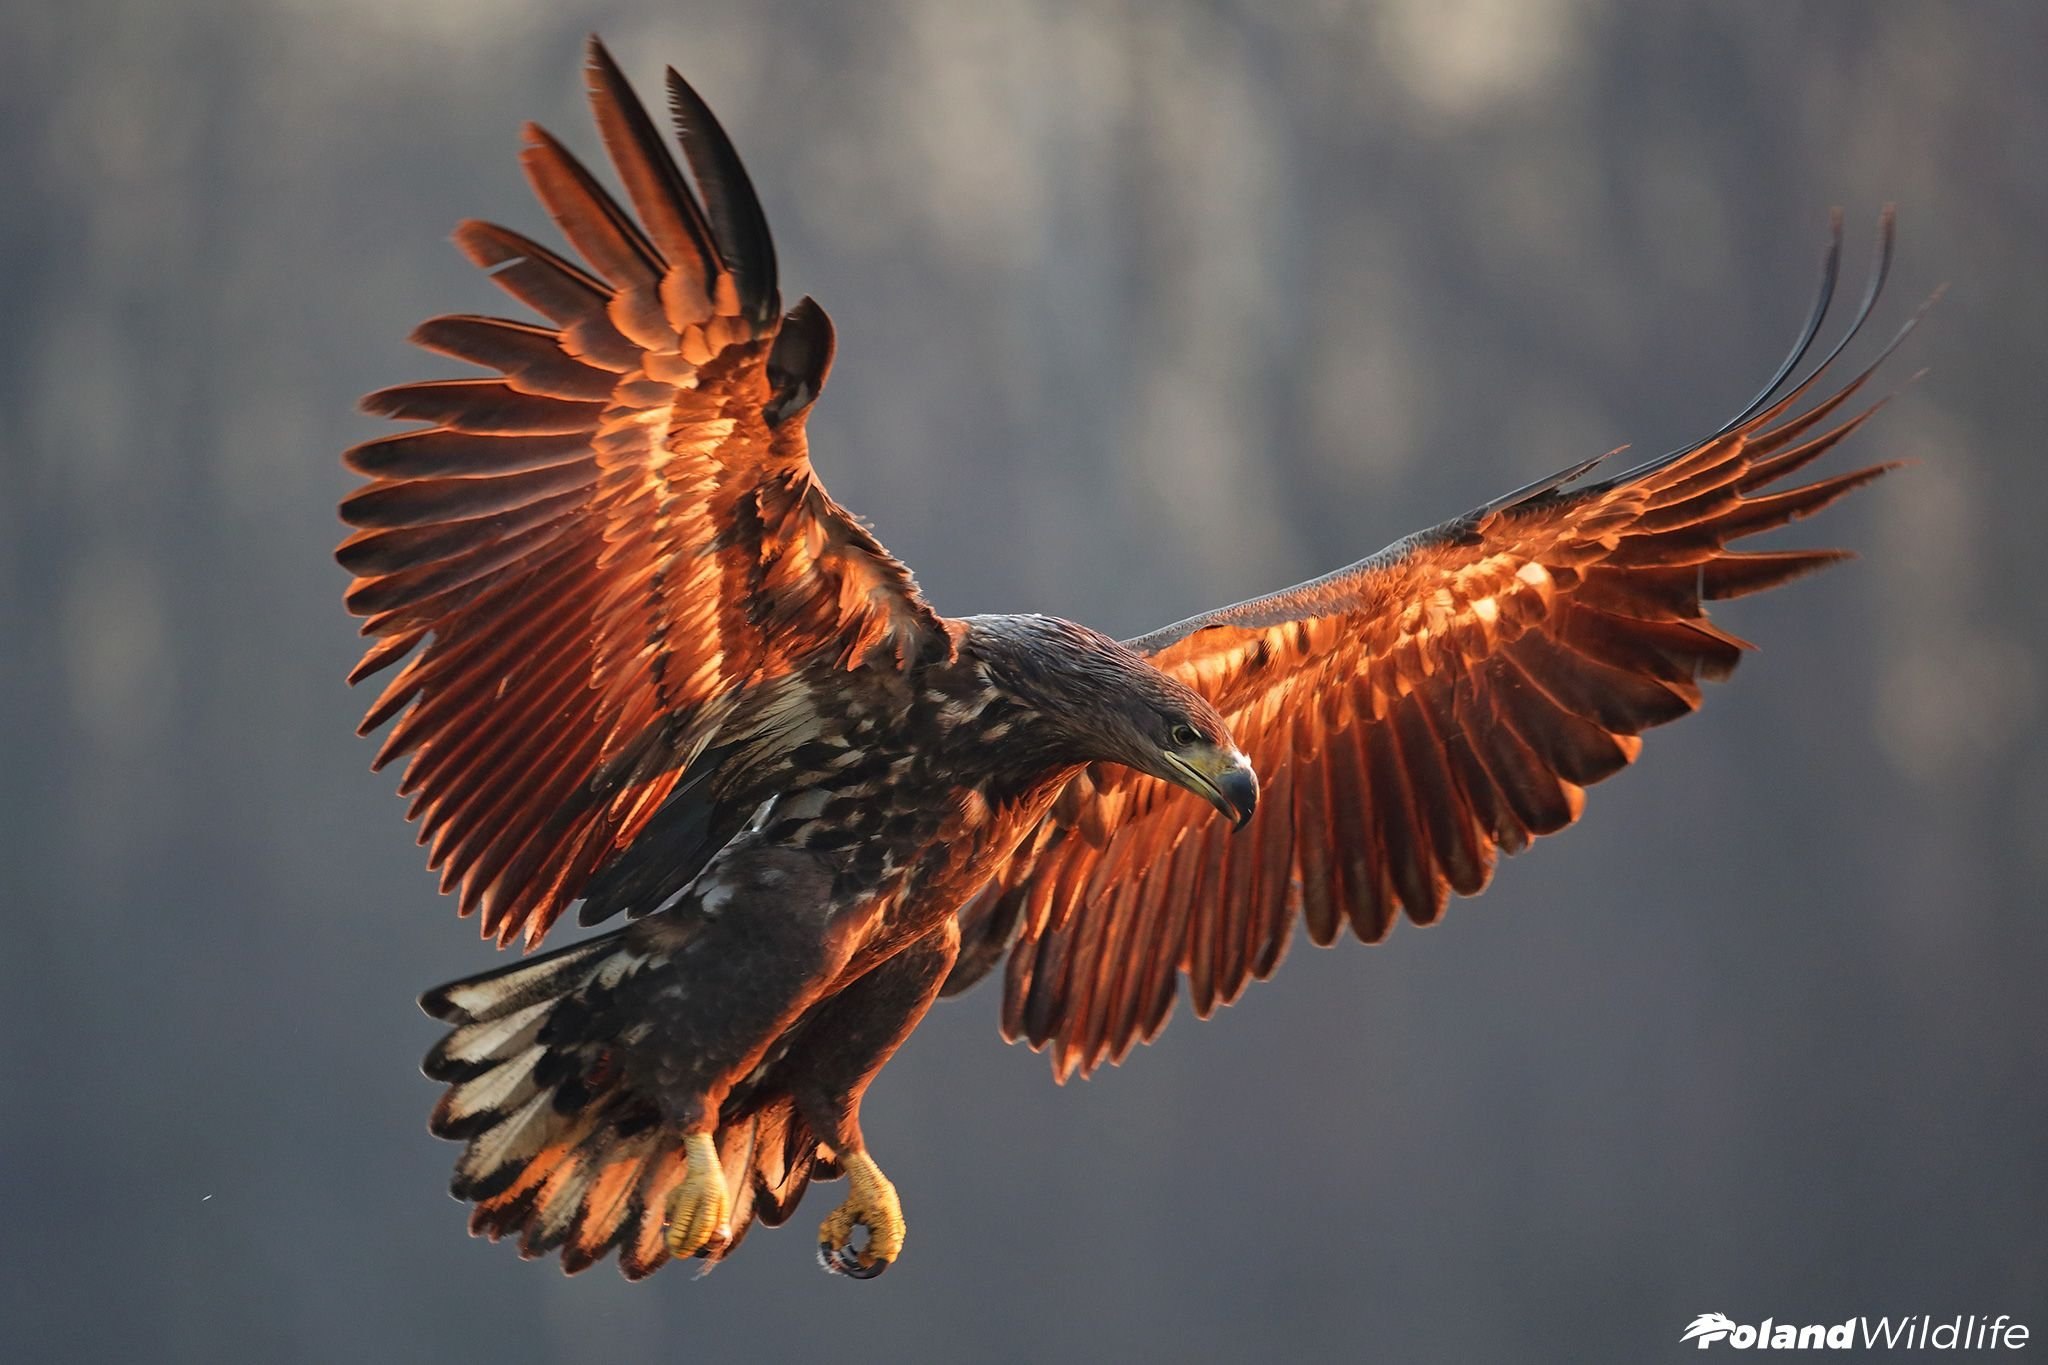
(848, 1044)
(700, 1210)
(871, 1204)
(728, 972)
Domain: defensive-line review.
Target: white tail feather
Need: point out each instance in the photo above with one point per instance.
(504, 1036)
(516, 1139)
(497, 994)
(498, 1088)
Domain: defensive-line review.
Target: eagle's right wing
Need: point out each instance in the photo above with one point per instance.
(587, 552)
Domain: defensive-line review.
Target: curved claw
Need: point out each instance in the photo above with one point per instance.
(871, 1204)
(844, 1260)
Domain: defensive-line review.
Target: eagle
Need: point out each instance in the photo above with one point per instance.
(646, 663)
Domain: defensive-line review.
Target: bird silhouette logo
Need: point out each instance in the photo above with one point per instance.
(1708, 1327)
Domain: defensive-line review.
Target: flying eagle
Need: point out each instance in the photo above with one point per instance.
(650, 665)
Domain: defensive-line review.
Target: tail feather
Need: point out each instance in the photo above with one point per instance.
(495, 994)
(770, 1159)
(601, 1220)
(771, 1169)
(563, 1195)
(473, 1049)
(561, 1153)
(643, 1242)
(495, 1159)
(489, 1098)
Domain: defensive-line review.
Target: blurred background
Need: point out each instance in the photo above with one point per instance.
(1143, 309)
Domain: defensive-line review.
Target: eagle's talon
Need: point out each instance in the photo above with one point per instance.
(700, 1210)
(871, 1204)
(845, 1260)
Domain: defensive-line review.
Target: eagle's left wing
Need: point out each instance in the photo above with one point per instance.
(1448, 697)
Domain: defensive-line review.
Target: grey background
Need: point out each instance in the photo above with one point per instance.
(1143, 309)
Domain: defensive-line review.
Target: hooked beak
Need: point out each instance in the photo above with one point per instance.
(1221, 776)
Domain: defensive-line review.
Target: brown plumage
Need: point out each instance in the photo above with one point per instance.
(645, 662)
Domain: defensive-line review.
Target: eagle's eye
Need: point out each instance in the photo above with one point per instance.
(1184, 736)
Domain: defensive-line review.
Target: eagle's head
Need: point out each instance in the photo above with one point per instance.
(1105, 703)
(1165, 728)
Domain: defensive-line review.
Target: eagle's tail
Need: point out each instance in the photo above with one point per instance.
(560, 1149)
(770, 1158)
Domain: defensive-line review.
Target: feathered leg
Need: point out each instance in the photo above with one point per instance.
(749, 952)
(844, 1048)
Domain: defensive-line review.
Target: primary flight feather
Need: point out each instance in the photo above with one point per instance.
(645, 662)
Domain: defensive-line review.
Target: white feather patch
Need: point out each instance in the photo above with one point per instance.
(516, 1139)
(499, 995)
(613, 970)
(489, 1038)
(496, 1088)
(564, 1191)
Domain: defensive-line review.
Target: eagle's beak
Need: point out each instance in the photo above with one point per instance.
(1221, 776)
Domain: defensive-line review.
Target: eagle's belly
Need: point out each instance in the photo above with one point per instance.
(910, 795)
(950, 847)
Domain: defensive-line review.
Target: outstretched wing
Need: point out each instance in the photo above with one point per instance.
(588, 552)
(1409, 716)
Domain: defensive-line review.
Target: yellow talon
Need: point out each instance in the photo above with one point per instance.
(700, 1211)
(871, 1204)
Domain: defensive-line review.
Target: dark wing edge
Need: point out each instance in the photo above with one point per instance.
(1411, 716)
(585, 553)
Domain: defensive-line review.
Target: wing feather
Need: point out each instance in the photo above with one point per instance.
(531, 359)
